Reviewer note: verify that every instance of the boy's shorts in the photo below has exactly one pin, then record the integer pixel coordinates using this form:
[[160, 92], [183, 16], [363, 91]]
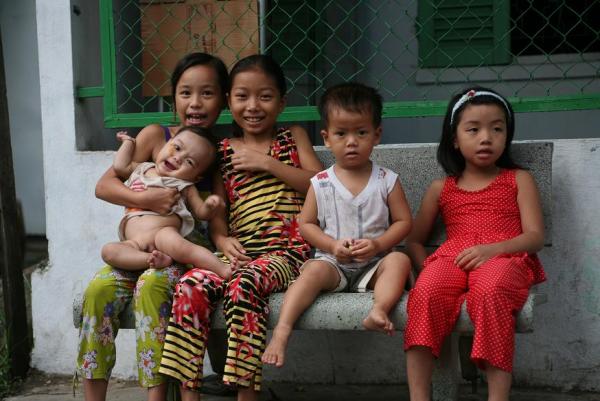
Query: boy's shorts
[[351, 280]]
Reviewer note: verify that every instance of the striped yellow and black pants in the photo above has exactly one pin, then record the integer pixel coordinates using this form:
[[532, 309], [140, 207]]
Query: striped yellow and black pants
[[246, 307]]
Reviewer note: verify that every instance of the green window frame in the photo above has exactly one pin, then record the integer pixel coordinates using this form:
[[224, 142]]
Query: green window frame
[[113, 118]]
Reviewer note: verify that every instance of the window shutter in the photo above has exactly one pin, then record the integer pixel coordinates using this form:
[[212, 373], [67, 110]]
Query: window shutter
[[454, 33]]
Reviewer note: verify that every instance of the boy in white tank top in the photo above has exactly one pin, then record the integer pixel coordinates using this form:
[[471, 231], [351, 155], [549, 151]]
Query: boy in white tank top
[[354, 214]]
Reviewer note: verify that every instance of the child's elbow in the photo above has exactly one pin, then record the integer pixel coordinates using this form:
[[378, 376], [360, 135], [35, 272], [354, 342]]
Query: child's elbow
[[100, 190], [540, 240]]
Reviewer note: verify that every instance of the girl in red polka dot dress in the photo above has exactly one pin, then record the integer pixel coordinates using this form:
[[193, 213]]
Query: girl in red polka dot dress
[[493, 218]]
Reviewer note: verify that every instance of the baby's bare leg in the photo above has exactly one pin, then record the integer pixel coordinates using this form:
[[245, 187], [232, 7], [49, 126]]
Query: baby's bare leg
[[169, 241], [126, 255], [316, 276], [388, 283]]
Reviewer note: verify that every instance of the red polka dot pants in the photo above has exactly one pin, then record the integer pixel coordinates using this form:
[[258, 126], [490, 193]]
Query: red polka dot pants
[[494, 292]]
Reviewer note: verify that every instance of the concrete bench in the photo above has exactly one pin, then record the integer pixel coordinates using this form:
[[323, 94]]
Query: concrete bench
[[417, 167]]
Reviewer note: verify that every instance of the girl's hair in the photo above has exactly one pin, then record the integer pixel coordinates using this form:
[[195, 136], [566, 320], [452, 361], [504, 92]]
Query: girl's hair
[[265, 64], [450, 158], [194, 59], [353, 97]]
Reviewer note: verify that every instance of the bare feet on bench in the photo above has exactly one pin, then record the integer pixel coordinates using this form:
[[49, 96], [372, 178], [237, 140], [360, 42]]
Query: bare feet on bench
[[378, 320], [275, 352], [158, 260]]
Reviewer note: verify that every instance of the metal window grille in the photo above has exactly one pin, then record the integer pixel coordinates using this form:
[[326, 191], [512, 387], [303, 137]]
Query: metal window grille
[[543, 54]]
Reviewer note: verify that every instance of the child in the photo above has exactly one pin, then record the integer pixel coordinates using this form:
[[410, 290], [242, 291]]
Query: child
[[152, 240], [493, 219], [354, 214], [264, 173], [199, 85]]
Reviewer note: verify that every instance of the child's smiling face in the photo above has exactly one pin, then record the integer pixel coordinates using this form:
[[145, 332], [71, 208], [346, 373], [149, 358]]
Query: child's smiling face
[[186, 156], [351, 137], [198, 99], [255, 102]]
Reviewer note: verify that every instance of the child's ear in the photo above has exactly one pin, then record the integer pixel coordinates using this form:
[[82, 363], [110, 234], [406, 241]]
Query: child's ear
[[282, 103], [378, 132], [325, 136]]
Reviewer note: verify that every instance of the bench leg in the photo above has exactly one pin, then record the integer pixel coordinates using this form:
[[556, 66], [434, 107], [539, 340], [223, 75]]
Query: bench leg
[[217, 350], [445, 373], [173, 393]]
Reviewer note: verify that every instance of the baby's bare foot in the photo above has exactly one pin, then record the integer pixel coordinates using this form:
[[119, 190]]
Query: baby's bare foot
[[158, 260], [275, 352], [378, 320], [224, 271]]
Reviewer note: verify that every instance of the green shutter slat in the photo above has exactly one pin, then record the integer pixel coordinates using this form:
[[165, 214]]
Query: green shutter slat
[[463, 33]]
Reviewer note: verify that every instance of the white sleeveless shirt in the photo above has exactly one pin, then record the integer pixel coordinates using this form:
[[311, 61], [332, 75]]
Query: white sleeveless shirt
[[343, 215]]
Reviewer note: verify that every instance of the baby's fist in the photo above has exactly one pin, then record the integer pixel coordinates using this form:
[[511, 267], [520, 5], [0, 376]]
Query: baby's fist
[[214, 202]]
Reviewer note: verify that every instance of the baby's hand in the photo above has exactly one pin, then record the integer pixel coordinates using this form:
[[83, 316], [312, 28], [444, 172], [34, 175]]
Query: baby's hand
[[122, 137], [342, 250], [212, 204], [472, 258], [364, 249]]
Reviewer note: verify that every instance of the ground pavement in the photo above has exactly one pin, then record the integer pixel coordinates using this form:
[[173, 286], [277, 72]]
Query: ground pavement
[[41, 387]]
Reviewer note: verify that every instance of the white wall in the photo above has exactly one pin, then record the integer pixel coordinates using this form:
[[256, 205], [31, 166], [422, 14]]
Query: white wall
[[563, 351], [19, 42]]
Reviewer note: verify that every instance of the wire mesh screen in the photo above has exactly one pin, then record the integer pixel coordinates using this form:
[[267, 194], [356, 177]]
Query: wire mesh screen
[[412, 51]]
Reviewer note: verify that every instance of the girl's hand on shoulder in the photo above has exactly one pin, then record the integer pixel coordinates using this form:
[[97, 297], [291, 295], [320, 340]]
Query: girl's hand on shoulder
[[472, 258], [234, 251], [364, 249], [342, 250], [250, 160], [160, 200]]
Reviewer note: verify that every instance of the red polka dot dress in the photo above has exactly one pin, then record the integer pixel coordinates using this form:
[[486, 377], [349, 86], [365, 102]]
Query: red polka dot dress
[[494, 292]]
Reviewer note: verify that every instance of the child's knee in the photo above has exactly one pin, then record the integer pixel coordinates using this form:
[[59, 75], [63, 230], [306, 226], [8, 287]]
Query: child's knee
[[316, 270], [397, 262]]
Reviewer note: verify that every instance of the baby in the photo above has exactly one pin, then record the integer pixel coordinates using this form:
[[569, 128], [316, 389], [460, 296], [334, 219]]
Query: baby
[[152, 240]]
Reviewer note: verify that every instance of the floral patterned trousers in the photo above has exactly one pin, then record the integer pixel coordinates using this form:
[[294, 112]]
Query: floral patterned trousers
[[106, 296], [246, 308]]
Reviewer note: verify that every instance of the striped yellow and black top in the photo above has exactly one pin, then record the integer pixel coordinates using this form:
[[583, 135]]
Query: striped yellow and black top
[[263, 209]]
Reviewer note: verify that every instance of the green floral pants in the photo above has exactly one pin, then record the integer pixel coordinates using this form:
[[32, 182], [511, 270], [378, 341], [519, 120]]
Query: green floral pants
[[106, 296]]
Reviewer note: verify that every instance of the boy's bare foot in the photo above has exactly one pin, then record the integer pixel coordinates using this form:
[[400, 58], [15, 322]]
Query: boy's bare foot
[[275, 352], [378, 320], [158, 260]]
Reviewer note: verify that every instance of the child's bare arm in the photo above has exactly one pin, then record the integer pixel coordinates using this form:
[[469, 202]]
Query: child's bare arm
[[123, 162], [423, 223], [219, 230], [312, 232], [203, 209], [532, 224], [401, 222]]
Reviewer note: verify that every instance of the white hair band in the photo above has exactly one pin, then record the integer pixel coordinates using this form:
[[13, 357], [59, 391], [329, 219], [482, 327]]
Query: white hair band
[[473, 93]]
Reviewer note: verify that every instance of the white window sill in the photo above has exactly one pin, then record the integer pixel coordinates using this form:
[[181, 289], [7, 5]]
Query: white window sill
[[525, 68]]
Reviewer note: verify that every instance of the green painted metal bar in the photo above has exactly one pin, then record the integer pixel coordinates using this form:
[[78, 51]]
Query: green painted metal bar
[[390, 110], [107, 48], [90, 91]]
